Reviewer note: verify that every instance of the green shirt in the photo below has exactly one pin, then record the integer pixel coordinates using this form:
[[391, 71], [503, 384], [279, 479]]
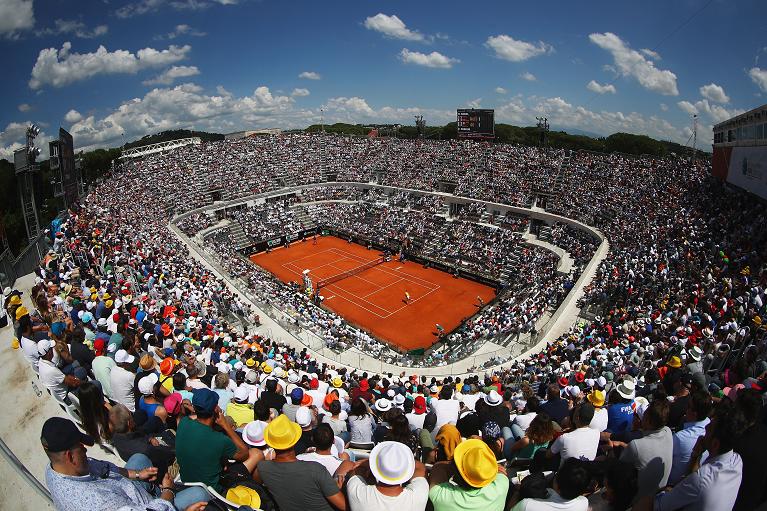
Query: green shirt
[[451, 497], [200, 452]]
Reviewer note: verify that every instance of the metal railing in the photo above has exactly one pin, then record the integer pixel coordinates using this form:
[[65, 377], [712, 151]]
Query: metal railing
[[11, 268]]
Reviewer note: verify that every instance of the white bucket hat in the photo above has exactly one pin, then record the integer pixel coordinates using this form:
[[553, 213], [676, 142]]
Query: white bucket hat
[[626, 389], [253, 433], [383, 405], [392, 463], [493, 398]]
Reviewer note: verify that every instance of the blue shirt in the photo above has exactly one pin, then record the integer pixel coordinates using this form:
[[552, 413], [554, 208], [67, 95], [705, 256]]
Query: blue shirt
[[620, 418], [102, 489], [714, 487], [684, 441]]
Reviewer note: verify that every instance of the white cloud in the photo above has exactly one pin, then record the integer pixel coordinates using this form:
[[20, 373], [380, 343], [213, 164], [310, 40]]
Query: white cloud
[[73, 116], [181, 30], [24, 107], [60, 68], [508, 48], [474, 103], [76, 28], [632, 63], [500, 90], [13, 137], [530, 77], [147, 6], [652, 54], [664, 107], [172, 74], [310, 75], [594, 86], [185, 106], [688, 107], [392, 26], [15, 16], [714, 92], [433, 59], [759, 77], [717, 113], [300, 92], [356, 110]]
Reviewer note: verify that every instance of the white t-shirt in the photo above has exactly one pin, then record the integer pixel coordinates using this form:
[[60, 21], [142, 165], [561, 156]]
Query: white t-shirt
[[121, 382], [330, 462], [53, 379], [581, 443], [415, 420], [447, 412], [553, 501], [470, 400], [599, 422], [30, 352], [523, 420], [365, 497]]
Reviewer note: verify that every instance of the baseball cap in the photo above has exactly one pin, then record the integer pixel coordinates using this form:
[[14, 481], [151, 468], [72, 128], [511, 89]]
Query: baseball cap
[[60, 434], [296, 395], [146, 384], [123, 357], [241, 394], [44, 346], [303, 416], [204, 400]]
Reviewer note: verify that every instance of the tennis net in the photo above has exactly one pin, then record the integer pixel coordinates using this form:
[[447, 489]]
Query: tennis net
[[349, 273]]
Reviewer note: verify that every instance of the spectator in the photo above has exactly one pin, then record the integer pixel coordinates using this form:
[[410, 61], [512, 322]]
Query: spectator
[[752, 448], [51, 376], [537, 437], [324, 441], [597, 398], [652, 455], [446, 407], [121, 380], [239, 409], [555, 407], [580, 443], [200, 449], [417, 416], [570, 483], [698, 408], [711, 485], [128, 441], [479, 483], [361, 424], [296, 397], [400, 481], [306, 419], [80, 483], [296, 485], [102, 366], [94, 412]]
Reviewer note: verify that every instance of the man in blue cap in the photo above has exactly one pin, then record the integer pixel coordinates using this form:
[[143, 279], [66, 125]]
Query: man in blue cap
[[203, 442], [80, 483]]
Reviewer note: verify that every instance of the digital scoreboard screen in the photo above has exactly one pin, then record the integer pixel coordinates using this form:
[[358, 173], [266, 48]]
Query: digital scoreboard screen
[[475, 123]]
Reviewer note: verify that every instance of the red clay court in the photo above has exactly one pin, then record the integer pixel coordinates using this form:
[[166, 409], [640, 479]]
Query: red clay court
[[374, 299]]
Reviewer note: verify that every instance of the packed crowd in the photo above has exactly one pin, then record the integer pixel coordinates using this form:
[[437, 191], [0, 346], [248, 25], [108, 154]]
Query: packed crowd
[[188, 400], [656, 402]]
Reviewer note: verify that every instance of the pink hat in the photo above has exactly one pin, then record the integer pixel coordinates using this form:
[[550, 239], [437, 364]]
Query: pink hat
[[172, 403]]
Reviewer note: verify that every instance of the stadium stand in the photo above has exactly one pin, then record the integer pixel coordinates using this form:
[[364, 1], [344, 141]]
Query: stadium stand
[[654, 398]]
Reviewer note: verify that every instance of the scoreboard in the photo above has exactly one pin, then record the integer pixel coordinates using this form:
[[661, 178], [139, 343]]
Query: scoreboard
[[476, 123]]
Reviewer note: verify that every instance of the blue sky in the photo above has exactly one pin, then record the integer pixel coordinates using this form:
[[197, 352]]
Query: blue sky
[[102, 69]]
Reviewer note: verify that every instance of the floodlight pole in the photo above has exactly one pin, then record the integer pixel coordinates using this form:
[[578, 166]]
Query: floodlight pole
[[24, 163]]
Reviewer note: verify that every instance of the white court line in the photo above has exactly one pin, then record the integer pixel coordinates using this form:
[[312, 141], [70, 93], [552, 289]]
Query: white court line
[[337, 290], [412, 278], [357, 277], [311, 255], [320, 266], [413, 301], [388, 285]]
